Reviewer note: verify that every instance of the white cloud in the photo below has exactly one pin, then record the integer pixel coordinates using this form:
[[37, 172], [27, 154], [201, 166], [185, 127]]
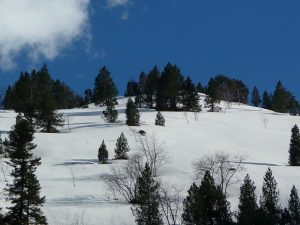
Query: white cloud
[[116, 3], [40, 28]]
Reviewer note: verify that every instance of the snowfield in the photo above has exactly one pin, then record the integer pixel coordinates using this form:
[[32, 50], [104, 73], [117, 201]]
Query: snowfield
[[72, 179]]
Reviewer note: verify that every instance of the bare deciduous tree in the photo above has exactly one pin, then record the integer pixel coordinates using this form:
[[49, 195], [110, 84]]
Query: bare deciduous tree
[[123, 179], [76, 219], [171, 203], [152, 150], [222, 166]]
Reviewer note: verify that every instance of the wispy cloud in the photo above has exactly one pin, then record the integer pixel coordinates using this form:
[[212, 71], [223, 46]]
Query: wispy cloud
[[117, 3], [40, 29]]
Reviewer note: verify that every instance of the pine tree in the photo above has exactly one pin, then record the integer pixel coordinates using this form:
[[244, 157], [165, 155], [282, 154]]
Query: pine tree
[[211, 100], [160, 120], [190, 98], [269, 200], [280, 99], [255, 100], [122, 147], [110, 114], [200, 88], [152, 86], [294, 207], [206, 204], [266, 102], [47, 118], [102, 153], [105, 88], [88, 95], [147, 210], [247, 203], [132, 114], [285, 217], [294, 151], [24, 191]]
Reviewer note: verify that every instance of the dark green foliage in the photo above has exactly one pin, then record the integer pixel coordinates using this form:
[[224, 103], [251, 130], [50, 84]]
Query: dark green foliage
[[46, 116], [269, 200], [266, 102], [294, 151], [169, 88], [190, 96], [212, 99], [247, 214], [228, 89], [147, 209], [285, 218], [255, 100], [152, 86], [160, 120], [132, 114], [293, 105], [102, 153], [105, 88], [132, 89], [88, 96], [294, 207], [24, 191], [26, 95], [280, 99], [206, 204], [122, 147], [110, 114], [200, 88]]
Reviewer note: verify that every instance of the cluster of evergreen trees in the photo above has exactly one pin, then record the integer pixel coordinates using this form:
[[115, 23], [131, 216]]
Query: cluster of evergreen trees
[[121, 150], [166, 90], [281, 100], [37, 96], [206, 204]]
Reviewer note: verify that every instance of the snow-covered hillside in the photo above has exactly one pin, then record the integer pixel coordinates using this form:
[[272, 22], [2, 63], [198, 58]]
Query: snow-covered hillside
[[260, 134]]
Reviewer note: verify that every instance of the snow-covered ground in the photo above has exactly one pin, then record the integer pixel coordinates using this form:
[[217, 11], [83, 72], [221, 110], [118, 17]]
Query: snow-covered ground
[[260, 134]]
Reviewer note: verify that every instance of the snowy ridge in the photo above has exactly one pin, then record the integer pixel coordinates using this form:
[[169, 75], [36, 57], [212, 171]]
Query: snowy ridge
[[260, 134]]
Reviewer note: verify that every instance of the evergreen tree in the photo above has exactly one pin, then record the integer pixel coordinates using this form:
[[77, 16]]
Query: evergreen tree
[[206, 204], [190, 98], [147, 210], [160, 120], [293, 105], [294, 207], [24, 191], [88, 95], [105, 88], [285, 217], [132, 114], [255, 100], [152, 86], [121, 147], [294, 151], [211, 100], [269, 200], [132, 89], [247, 203], [266, 102], [47, 118], [110, 114], [200, 88], [102, 153], [169, 88], [280, 99]]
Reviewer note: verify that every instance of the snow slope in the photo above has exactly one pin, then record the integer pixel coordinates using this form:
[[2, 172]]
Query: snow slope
[[260, 134]]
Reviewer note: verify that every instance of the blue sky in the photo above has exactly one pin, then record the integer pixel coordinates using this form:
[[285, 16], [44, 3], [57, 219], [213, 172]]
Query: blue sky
[[255, 41]]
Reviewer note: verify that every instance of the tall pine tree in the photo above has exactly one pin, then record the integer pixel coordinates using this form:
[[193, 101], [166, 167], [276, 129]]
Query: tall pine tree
[[24, 191], [294, 207], [132, 114], [266, 102], [294, 151], [269, 201], [147, 210], [104, 87], [110, 114], [190, 97], [255, 100], [247, 203]]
